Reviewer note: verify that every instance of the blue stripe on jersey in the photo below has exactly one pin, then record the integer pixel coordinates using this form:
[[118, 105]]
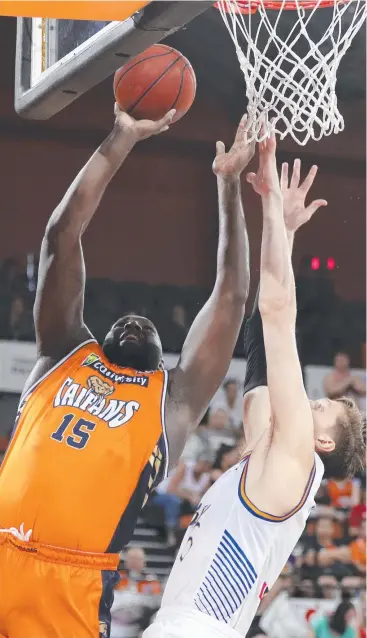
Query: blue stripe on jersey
[[227, 581]]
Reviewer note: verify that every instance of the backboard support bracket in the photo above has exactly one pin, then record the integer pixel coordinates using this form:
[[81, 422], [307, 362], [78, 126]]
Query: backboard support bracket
[[74, 74]]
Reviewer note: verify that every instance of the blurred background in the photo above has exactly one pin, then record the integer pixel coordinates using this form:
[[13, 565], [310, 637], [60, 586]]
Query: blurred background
[[151, 249]]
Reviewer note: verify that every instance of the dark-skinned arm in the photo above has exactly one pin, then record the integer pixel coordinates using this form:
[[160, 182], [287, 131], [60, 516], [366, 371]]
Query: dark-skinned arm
[[209, 346], [58, 310]]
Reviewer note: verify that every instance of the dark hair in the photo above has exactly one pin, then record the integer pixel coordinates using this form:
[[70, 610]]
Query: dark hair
[[349, 456], [229, 381], [337, 621]]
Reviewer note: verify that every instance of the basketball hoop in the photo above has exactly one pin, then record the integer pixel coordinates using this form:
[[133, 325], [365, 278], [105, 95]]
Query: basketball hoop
[[290, 75]]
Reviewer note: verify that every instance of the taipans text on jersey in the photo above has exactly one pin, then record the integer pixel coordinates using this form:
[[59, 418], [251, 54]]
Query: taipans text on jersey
[[93, 399]]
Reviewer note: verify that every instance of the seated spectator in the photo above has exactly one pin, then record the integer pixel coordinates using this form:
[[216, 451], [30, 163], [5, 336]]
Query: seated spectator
[[347, 560], [342, 382], [352, 585], [357, 549], [230, 400], [322, 553], [219, 430], [227, 456], [328, 586], [344, 493], [191, 480], [136, 596], [197, 444], [357, 514], [341, 624]]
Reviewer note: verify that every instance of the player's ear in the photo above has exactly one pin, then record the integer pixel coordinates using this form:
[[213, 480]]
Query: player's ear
[[161, 365], [324, 444]]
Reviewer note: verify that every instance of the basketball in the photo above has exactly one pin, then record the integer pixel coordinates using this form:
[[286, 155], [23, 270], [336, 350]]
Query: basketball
[[157, 80]]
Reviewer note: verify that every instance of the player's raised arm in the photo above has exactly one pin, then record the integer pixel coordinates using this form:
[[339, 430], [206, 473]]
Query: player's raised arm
[[293, 432], [209, 346], [58, 310]]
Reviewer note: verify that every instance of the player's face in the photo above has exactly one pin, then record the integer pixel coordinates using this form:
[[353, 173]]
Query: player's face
[[133, 342], [326, 414]]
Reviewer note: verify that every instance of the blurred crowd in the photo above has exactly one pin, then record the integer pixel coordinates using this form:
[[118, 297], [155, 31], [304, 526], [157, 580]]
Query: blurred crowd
[[329, 562], [326, 324]]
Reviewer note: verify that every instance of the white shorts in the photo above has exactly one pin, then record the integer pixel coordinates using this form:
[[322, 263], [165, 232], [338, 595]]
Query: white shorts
[[176, 622]]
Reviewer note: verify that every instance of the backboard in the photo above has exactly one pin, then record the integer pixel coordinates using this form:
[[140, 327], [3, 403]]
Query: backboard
[[58, 60]]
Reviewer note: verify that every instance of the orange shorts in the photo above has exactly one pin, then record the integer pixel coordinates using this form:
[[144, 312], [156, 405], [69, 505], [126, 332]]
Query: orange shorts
[[47, 592]]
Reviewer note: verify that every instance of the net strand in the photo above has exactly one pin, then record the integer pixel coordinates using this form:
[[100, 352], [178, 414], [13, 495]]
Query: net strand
[[298, 92]]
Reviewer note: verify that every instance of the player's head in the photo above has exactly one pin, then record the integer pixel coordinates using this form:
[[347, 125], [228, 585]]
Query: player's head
[[133, 342], [339, 436], [341, 362]]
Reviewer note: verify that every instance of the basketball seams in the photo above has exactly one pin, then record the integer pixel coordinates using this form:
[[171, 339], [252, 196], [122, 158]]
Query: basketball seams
[[156, 84], [180, 86], [150, 57], [151, 86]]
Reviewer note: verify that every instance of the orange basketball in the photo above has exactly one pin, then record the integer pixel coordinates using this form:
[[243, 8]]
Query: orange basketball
[[157, 80]]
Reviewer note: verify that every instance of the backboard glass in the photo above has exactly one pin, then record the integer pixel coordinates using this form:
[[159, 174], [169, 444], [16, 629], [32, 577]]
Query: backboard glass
[[58, 60]]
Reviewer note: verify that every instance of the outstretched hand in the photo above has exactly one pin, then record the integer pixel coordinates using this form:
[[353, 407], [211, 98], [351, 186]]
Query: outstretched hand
[[266, 181], [232, 163], [296, 213], [142, 129]]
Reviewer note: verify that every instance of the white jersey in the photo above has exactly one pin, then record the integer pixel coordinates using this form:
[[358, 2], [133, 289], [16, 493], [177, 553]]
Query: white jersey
[[233, 553]]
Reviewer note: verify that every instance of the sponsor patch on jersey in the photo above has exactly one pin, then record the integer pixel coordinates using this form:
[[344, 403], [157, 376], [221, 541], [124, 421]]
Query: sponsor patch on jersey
[[94, 361]]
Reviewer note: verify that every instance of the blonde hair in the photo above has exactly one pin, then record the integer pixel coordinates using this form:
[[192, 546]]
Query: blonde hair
[[349, 456]]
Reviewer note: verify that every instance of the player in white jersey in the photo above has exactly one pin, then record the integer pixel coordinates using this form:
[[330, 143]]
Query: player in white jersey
[[249, 521]]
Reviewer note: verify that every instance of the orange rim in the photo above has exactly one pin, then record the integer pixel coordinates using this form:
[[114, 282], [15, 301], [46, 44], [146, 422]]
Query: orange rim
[[251, 6]]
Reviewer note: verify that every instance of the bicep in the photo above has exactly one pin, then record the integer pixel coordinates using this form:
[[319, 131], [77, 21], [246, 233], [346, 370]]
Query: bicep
[[206, 355], [290, 407], [58, 309]]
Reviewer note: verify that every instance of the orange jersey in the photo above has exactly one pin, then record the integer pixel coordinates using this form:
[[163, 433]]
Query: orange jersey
[[340, 492], [89, 446]]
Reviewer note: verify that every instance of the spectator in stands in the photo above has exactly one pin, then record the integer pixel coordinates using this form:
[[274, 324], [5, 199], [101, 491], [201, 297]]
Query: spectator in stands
[[231, 401], [341, 624], [344, 493], [176, 331], [191, 480], [357, 514], [342, 382], [357, 549], [314, 559], [353, 585], [227, 456], [328, 586], [219, 430], [136, 596]]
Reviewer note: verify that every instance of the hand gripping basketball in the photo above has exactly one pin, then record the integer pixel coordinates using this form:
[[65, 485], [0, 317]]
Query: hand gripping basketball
[[232, 164], [142, 129]]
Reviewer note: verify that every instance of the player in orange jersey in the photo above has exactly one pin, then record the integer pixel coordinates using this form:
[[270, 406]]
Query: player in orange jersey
[[98, 427]]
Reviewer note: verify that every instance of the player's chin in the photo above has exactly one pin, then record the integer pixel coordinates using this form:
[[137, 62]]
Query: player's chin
[[131, 354]]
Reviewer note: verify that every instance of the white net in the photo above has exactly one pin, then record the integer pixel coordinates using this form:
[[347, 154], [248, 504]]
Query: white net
[[290, 67]]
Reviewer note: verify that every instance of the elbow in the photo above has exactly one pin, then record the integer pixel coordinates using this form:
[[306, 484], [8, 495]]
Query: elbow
[[277, 301], [232, 293]]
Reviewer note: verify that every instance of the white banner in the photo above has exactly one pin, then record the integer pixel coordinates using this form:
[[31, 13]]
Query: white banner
[[315, 376], [17, 359]]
